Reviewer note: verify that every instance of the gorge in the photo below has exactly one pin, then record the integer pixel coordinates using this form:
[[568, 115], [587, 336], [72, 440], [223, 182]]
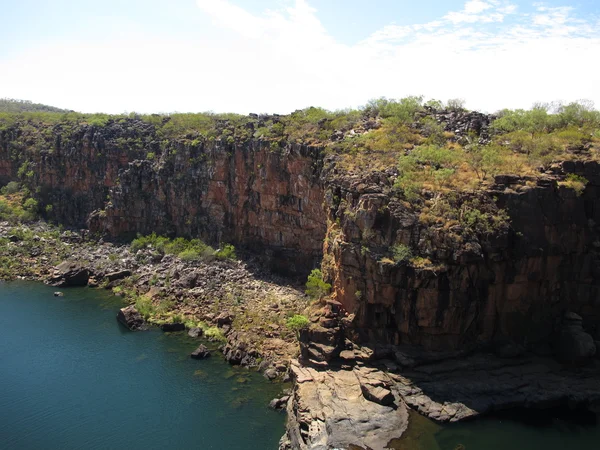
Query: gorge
[[457, 290]]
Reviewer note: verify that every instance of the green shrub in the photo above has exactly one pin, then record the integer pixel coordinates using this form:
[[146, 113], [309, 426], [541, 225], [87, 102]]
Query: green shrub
[[575, 182], [401, 253], [11, 188], [297, 322], [316, 288], [189, 255], [215, 334], [227, 252], [145, 307], [177, 318], [30, 205]]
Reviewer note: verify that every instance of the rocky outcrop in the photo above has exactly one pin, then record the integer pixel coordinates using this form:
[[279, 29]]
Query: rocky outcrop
[[455, 389], [172, 327], [357, 408], [264, 196], [200, 353], [513, 284], [131, 318], [573, 345], [69, 273]]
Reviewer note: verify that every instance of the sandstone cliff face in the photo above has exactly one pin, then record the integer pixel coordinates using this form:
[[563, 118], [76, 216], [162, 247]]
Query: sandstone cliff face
[[266, 200], [291, 204], [121, 179], [514, 285]]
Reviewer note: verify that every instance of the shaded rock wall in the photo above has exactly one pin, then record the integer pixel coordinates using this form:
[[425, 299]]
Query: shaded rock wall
[[285, 202], [514, 286], [122, 179], [269, 201]]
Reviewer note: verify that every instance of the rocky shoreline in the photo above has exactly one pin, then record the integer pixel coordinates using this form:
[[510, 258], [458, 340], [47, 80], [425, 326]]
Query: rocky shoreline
[[246, 304], [344, 395]]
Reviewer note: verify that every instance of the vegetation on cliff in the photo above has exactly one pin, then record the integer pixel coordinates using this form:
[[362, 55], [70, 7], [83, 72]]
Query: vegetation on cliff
[[11, 105]]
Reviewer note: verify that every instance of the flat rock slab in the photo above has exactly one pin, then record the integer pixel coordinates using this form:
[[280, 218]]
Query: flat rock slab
[[329, 409], [453, 390]]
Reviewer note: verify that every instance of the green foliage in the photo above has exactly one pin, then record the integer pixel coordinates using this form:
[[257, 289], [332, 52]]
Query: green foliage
[[297, 322], [401, 253], [145, 307], [404, 110], [456, 104], [15, 208], [215, 334], [31, 205], [316, 288], [189, 255], [176, 318], [482, 219], [99, 120], [575, 182], [484, 160], [19, 106], [188, 250], [150, 156], [24, 171], [226, 252], [11, 188], [149, 241]]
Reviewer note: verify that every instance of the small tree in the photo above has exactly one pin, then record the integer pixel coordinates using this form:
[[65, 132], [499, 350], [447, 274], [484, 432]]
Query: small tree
[[316, 288], [297, 322]]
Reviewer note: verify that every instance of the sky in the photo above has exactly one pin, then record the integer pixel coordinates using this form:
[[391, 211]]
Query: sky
[[276, 56]]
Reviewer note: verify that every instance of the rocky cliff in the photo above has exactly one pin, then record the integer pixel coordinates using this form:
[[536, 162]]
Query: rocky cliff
[[513, 284], [121, 179], [502, 263]]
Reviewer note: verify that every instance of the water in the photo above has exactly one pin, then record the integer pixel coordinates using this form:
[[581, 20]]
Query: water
[[71, 377], [517, 433]]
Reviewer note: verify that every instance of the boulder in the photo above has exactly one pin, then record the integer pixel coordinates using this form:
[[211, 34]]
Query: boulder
[[195, 332], [279, 403], [118, 275], [69, 273], [131, 318], [200, 353], [378, 394], [169, 327], [270, 373], [58, 294], [224, 319], [572, 345]]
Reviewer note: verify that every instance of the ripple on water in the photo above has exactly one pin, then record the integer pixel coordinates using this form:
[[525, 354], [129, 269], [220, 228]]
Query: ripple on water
[[71, 377]]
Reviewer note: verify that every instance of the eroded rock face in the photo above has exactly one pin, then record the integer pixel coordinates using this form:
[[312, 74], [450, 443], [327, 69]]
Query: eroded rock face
[[248, 193], [269, 202], [131, 318], [514, 285], [330, 410]]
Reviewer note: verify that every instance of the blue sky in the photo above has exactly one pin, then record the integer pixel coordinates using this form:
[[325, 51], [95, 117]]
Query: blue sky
[[281, 55]]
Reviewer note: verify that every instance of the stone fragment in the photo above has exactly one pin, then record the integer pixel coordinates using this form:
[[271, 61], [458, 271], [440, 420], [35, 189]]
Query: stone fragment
[[200, 353], [131, 318]]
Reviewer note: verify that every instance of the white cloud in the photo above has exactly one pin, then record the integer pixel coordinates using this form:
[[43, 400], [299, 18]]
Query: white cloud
[[487, 53], [476, 6]]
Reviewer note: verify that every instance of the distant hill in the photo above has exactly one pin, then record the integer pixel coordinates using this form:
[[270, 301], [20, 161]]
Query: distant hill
[[18, 106]]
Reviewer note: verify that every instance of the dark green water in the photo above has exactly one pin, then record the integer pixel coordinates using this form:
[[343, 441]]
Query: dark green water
[[71, 377], [549, 433]]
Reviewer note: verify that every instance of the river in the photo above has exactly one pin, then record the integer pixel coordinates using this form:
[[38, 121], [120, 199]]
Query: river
[[72, 377]]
